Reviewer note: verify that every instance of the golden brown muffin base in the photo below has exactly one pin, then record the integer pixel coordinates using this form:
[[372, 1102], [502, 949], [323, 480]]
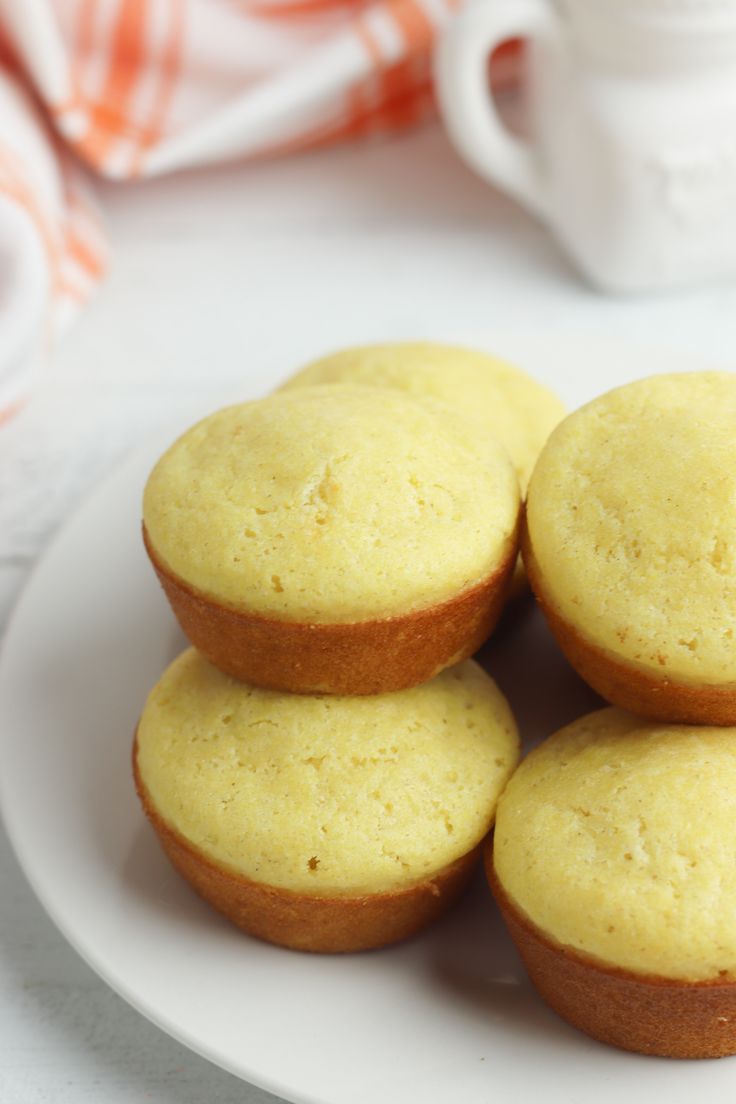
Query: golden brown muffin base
[[305, 922], [657, 698], [646, 1014], [364, 657]]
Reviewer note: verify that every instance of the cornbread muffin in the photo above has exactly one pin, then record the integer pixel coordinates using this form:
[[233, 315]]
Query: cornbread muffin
[[630, 545], [336, 539], [323, 823], [614, 863], [496, 396], [504, 401]]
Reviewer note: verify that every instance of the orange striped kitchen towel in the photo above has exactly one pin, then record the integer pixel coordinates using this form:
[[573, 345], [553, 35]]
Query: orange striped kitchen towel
[[141, 87]]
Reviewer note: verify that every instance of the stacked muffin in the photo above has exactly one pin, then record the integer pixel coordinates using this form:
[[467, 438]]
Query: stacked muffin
[[614, 860], [325, 765], [326, 762]]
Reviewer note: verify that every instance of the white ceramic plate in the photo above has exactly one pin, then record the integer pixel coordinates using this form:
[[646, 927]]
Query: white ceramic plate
[[448, 1015]]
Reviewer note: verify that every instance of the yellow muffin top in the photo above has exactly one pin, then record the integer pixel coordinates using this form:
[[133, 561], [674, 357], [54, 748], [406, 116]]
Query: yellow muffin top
[[616, 837], [332, 504], [518, 411], [632, 522], [327, 794]]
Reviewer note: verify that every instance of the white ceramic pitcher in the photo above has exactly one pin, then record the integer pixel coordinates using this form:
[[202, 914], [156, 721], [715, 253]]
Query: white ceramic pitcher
[[632, 111]]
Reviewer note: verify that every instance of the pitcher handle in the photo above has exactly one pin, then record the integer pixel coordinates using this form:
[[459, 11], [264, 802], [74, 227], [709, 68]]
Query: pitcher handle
[[466, 104]]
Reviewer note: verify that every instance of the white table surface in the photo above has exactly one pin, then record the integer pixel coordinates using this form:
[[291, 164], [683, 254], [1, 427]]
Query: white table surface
[[219, 278]]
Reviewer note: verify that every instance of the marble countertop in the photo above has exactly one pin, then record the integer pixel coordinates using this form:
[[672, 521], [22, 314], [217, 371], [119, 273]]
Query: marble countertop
[[219, 279]]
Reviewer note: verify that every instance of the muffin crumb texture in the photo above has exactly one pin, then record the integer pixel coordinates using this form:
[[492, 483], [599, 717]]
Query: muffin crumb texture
[[632, 522], [327, 795], [332, 504], [615, 837], [496, 396]]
